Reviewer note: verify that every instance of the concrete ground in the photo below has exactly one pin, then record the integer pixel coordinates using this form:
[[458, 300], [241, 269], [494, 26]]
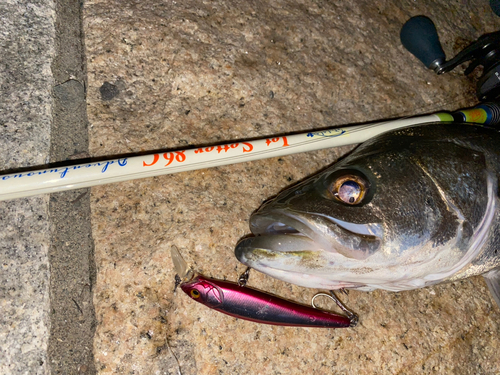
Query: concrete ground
[[87, 281]]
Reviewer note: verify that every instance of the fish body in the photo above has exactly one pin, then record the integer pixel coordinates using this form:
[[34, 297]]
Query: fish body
[[256, 306], [407, 209]]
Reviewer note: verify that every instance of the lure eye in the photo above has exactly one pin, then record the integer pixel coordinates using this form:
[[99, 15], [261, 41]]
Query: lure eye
[[195, 294], [349, 189]]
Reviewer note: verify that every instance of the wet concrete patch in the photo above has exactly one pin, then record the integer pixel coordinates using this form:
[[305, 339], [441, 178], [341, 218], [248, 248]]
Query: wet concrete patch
[[71, 253]]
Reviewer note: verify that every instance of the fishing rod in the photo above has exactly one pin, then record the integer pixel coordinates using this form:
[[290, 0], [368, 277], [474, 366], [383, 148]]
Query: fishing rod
[[85, 174]]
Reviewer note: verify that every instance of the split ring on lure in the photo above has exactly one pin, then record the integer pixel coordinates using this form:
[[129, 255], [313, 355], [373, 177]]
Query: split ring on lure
[[250, 304]]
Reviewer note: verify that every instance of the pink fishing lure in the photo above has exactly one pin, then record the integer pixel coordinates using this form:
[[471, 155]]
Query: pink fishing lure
[[251, 304], [256, 306]]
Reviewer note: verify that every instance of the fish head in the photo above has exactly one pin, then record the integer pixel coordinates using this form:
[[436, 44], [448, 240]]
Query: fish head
[[380, 218]]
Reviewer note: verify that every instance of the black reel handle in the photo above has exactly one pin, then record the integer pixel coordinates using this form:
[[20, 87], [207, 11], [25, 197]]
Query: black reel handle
[[420, 37]]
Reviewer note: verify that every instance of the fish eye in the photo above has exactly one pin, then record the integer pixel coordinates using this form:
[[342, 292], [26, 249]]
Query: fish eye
[[195, 294], [349, 189]]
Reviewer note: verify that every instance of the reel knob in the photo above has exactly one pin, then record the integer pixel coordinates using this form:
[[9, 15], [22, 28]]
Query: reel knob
[[419, 36]]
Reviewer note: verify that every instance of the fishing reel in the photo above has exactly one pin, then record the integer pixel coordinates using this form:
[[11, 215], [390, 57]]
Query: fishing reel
[[419, 36]]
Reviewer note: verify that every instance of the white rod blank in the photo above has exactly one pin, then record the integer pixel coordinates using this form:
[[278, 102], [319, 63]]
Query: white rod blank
[[28, 183]]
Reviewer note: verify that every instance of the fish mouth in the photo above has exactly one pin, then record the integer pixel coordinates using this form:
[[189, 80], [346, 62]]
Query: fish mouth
[[304, 248]]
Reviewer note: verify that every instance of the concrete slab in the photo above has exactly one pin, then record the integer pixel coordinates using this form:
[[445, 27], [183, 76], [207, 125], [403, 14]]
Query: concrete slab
[[27, 44], [173, 74], [46, 248]]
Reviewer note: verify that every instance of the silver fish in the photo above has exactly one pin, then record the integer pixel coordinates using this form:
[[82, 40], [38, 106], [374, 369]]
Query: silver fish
[[407, 209]]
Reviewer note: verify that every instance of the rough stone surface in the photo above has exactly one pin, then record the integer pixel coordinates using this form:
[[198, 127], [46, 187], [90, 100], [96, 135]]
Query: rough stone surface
[[193, 73], [27, 45]]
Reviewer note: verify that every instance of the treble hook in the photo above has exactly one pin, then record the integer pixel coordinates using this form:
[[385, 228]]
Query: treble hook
[[344, 291], [353, 317], [178, 281], [243, 279]]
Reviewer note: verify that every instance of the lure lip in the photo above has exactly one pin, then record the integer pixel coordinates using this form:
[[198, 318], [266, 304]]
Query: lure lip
[[182, 268]]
